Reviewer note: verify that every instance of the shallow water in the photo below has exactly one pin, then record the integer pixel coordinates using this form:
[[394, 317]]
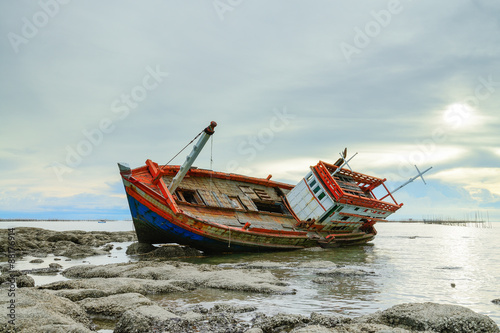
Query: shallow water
[[405, 263]]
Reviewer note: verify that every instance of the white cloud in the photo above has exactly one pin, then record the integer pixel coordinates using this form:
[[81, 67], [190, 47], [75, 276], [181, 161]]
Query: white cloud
[[474, 180]]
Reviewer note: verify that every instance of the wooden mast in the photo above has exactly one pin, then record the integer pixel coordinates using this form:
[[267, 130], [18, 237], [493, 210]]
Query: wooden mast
[[207, 132]]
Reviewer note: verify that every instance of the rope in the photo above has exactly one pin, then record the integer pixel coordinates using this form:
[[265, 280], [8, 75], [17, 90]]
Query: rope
[[211, 161], [184, 148], [211, 152]]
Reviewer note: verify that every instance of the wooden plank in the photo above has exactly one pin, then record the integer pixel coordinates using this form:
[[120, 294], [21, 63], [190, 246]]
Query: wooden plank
[[248, 203], [208, 198]]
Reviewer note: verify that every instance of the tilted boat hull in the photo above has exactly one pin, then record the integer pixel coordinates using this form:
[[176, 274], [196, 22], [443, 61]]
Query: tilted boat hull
[[155, 223], [222, 212]]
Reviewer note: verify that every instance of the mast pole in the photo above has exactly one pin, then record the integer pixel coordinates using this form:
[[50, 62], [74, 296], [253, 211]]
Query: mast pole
[[207, 132]]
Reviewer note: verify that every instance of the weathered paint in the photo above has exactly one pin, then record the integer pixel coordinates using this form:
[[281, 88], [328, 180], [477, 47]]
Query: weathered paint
[[159, 217]]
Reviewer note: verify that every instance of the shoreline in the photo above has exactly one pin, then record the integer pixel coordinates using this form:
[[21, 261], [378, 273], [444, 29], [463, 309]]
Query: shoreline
[[127, 295]]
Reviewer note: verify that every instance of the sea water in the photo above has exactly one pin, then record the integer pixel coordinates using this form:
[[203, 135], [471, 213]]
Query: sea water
[[407, 262]]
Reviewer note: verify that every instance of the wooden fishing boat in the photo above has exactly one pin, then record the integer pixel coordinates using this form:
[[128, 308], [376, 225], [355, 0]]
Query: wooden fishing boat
[[224, 212]]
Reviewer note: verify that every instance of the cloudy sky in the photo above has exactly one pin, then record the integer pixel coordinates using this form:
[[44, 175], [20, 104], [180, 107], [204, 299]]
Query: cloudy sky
[[86, 84]]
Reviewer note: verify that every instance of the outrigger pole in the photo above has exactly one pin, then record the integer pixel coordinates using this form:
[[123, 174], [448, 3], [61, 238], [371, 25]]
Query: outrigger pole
[[207, 132], [409, 181]]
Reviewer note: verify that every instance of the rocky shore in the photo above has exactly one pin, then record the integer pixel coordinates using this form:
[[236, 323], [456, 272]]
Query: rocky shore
[[39, 242], [127, 295]]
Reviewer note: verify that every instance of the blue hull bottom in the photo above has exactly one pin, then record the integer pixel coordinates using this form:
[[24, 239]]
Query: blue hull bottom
[[154, 229]]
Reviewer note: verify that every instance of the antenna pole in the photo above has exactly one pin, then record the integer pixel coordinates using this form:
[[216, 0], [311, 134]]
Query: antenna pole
[[409, 181]]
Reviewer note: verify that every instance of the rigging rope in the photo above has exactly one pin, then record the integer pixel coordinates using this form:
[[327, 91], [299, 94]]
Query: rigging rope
[[211, 161], [211, 152], [184, 147]]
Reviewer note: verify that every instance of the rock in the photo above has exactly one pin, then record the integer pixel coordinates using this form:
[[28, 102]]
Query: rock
[[79, 294], [433, 317], [108, 247], [24, 281], [355, 328], [39, 311], [254, 330], [21, 279], [174, 251], [165, 251], [42, 271], [280, 322], [139, 248], [192, 316], [496, 301], [39, 242], [114, 305], [232, 308], [328, 320], [99, 287], [187, 276], [57, 259], [36, 261], [312, 329], [145, 319], [55, 266]]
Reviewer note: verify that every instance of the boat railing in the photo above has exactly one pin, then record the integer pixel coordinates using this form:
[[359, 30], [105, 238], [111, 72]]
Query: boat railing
[[364, 182]]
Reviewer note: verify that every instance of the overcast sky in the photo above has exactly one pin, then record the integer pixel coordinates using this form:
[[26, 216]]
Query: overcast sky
[[86, 84]]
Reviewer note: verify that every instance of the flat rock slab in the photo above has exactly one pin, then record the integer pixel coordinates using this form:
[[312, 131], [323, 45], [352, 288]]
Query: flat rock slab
[[114, 305], [434, 317], [79, 289], [188, 276], [72, 244], [143, 318], [40, 311]]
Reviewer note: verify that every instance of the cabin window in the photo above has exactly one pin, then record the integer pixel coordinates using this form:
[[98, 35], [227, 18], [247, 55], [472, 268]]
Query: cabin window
[[189, 196], [309, 177], [316, 189], [357, 208], [345, 218], [321, 195], [270, 207], [312, 183]]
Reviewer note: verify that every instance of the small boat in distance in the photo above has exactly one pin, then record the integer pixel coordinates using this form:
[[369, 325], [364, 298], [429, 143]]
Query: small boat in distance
[[223, 212]]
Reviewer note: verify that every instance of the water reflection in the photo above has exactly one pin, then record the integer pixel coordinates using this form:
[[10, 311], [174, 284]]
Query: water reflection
[[325, 280]]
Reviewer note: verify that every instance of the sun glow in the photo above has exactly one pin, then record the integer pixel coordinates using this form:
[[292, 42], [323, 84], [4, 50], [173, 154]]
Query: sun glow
[[460, 115]]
